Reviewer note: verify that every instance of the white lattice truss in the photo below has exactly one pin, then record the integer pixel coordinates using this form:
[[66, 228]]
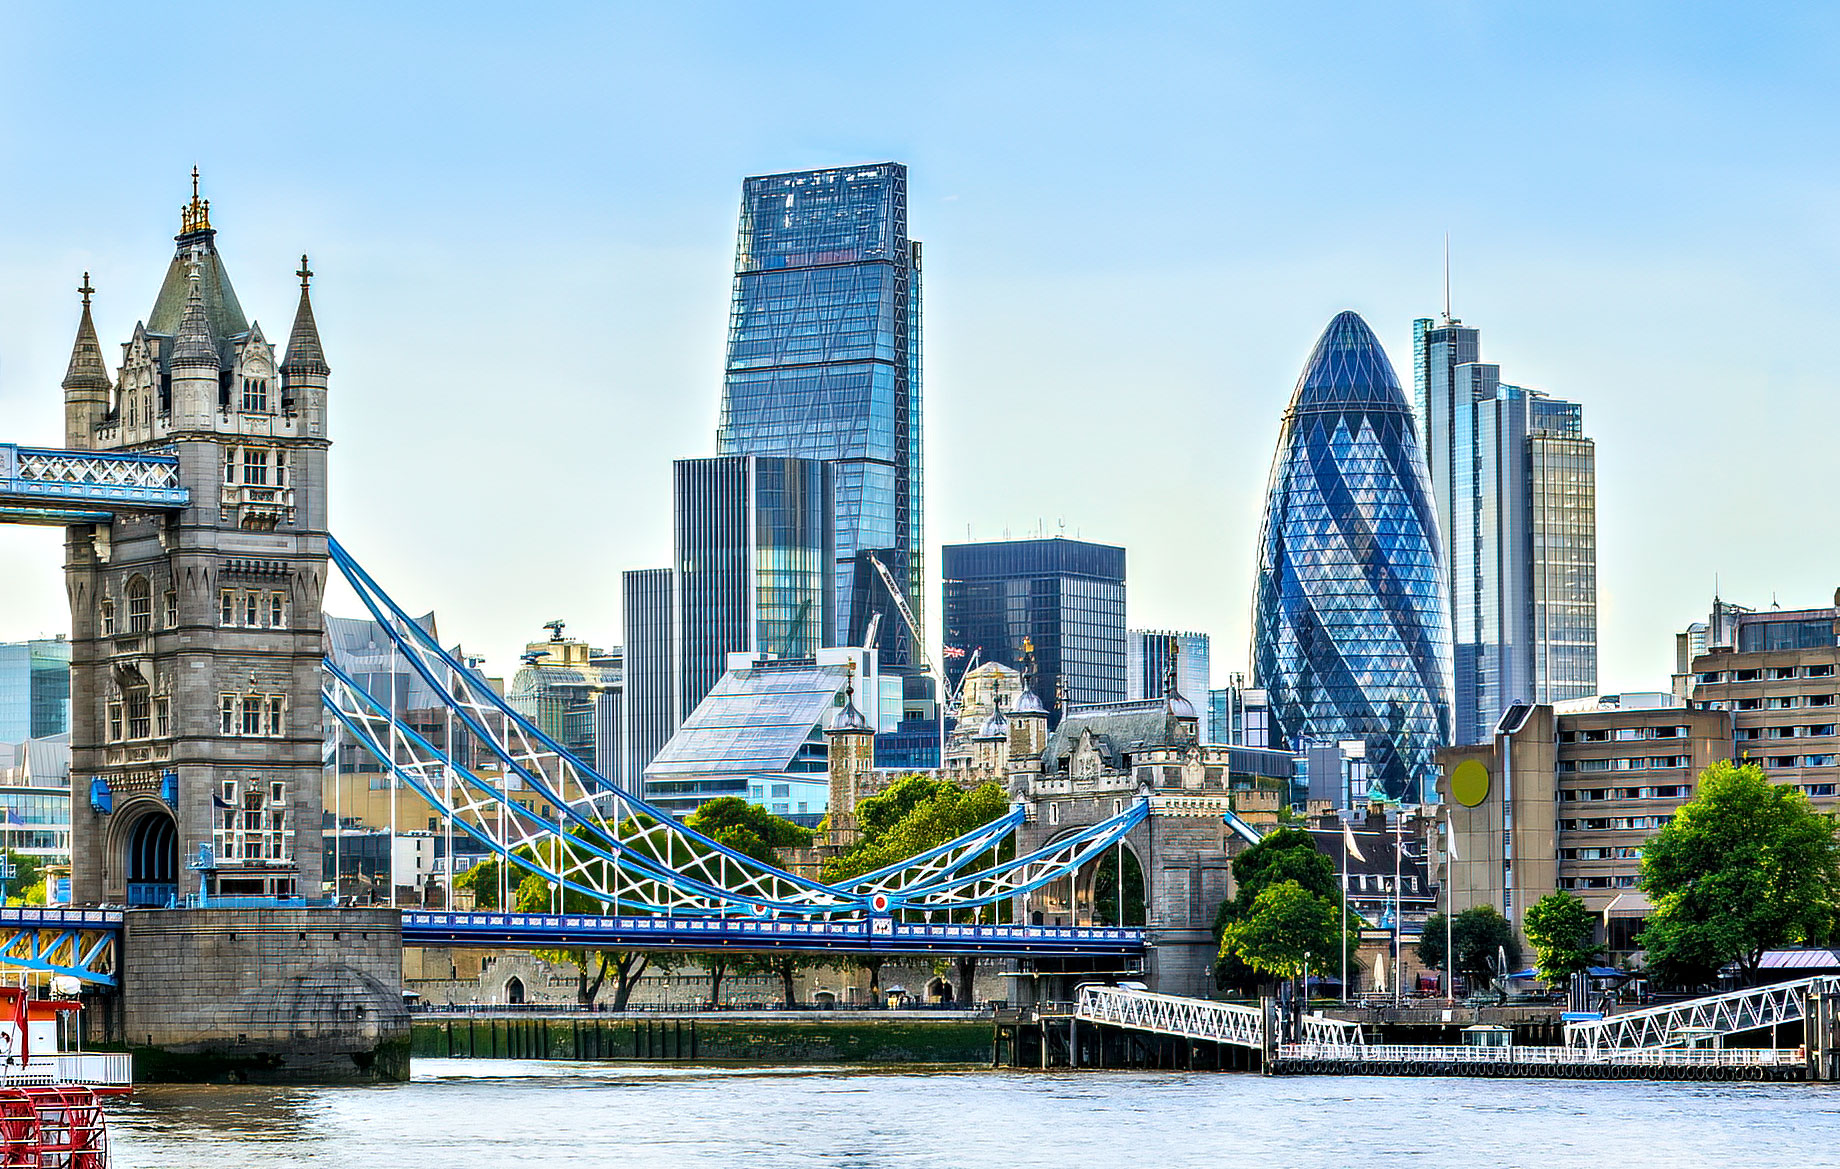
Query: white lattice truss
[[533, 802], [1243, 1026], [1677, 1024], [1540, 1056], [156, 473]]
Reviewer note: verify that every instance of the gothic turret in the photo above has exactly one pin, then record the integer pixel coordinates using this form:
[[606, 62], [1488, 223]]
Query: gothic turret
[[1028, 719], [304, 369], [851, 740], [194, 364], [86, 383]]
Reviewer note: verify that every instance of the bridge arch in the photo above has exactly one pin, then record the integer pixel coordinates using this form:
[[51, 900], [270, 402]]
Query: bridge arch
[[1090, 896], [146, 851], [514, 991]]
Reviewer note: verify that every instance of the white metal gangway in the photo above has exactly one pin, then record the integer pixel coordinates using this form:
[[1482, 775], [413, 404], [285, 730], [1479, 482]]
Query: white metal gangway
[[1676, 1024], [1165, 1014]]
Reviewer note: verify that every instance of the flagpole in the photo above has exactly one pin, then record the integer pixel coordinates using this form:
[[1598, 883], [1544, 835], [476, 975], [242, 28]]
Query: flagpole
[[1450, 906], [1344, 930]]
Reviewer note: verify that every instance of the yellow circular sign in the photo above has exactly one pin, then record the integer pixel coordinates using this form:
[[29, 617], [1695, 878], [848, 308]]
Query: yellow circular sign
[[1469, 783]]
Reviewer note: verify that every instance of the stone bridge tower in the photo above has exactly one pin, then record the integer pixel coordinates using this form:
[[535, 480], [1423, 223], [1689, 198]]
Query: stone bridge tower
[[196, 635]]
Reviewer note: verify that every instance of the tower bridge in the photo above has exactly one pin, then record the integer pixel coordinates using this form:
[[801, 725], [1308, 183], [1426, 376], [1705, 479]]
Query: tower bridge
[[192, 487]]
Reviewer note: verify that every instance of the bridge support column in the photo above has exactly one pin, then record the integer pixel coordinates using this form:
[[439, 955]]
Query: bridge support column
[[266, 995]]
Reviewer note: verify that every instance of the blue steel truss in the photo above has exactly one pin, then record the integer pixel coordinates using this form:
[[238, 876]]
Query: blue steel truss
[[873, 935], [80, 943], [595, 839], [41, 486]]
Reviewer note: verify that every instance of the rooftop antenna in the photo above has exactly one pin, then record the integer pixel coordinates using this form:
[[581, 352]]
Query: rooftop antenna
[[1447, 278]]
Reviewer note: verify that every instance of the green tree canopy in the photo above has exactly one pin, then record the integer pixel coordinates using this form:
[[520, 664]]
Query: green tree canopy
[[747, 828], [27, 884], [916, 813], [1283, 855], [1743, 867], [1481, 935], [1286, 922], [1559, 927]]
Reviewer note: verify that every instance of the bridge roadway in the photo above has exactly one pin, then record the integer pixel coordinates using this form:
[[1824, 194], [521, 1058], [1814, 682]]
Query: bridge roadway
[[84, 943], [55, 487]]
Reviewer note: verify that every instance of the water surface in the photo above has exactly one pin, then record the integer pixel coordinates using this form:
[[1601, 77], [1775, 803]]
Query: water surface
[[457, 1114]]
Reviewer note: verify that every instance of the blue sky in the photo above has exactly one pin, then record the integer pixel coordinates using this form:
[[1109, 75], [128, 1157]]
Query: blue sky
[[1137, 219]]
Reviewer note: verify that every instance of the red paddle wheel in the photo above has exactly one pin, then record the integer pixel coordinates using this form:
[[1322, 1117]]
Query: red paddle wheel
[[52, 1128]]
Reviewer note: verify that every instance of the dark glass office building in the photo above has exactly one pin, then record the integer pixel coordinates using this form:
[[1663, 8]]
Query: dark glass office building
[[1351, 630], [824, 363], [753, 545], [647, 718], [1065, 596]]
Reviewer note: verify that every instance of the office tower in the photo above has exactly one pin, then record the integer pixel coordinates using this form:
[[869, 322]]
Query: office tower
[[1238, 713], [824, 363], [1514, 478], [1065, 597], [1351, 633], [34, 689], [647, 716], [752, 545], [1776, 672], [1147, 656]]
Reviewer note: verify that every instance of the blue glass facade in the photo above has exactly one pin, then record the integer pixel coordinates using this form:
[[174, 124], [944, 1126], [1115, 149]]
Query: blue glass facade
[[34, 689], [1065, 597], [824, 363], [1351, 634]]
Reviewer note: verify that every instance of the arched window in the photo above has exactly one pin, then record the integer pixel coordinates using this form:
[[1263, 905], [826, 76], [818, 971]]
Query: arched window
[[140, 605]]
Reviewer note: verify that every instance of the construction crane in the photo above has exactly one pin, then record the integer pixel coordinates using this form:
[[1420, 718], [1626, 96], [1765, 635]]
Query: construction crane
[[948, 694]]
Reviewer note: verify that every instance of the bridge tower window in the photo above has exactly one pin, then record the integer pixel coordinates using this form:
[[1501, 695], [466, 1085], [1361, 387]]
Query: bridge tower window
[[140, 713], [255, 467], [108, 617], [172, 609], [255, 395], [140, 604]]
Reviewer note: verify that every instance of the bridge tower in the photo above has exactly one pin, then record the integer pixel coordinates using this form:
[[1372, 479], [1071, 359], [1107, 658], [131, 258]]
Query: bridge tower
[[197, 635]]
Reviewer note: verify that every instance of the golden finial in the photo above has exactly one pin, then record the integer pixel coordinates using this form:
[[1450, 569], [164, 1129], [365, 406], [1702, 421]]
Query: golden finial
[[305, 273], [86, 290], [196, 215]]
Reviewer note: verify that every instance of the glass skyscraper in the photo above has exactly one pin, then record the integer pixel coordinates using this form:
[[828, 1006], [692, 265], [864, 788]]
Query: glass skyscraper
[[34, 689], [824, 363], [1065, 596], [1147, 660], [753, 543], [1351, 631], [1514, 478]]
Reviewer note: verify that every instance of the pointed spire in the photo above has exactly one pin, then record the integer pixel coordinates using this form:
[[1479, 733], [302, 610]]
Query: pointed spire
[[87, 370], [193, 346], [304, 355]]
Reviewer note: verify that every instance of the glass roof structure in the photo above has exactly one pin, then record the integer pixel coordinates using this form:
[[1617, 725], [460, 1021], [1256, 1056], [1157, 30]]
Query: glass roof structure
[[755, 720], [1351, 626]]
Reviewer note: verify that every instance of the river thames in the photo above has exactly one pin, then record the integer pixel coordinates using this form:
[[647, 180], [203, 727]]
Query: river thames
[[457, 1114]]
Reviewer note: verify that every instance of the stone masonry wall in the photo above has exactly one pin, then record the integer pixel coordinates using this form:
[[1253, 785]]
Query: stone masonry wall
[[265, 994]]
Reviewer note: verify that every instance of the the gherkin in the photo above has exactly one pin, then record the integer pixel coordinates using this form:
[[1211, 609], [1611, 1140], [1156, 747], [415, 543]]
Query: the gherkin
[[1351, 632]]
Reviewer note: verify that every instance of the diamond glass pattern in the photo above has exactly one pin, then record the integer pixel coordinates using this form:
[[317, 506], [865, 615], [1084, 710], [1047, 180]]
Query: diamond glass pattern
[[1351, 631]]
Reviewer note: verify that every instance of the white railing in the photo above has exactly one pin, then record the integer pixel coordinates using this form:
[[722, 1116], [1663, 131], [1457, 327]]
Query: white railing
[[1165, 1014], [1677, 1023], [1557, 1056], [94, 1069]]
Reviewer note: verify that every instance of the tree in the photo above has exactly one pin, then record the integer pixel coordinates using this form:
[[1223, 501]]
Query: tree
[[917, 813], [27, 884], [753, 831], [1286, 922], [1481, 936], [1284, 855], [1743, 867], [1559, 927]]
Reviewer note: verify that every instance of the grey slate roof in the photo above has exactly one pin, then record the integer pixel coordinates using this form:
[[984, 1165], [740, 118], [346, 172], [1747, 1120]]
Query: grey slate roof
[[222, 312], [86, 364], [1118, 728], [303, 352]]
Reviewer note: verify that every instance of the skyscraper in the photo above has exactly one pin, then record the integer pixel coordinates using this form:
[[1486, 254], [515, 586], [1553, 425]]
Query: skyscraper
[[647, 717], [1351, 633], [1066, 597], [34, 689], [1147, 656], [824, 363], [1515, 482], [753, 544]]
